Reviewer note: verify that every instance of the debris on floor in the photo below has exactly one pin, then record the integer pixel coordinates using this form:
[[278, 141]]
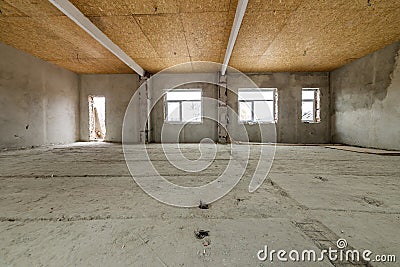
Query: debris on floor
[[321, 178], [204, 206], [200, 234], [238, 200], [372, 201], [207, 242], [204, 253]]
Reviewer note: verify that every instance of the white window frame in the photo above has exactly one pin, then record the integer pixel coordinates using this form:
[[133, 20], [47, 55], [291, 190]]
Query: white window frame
[[316, 105], [180, 105], [274, 104]]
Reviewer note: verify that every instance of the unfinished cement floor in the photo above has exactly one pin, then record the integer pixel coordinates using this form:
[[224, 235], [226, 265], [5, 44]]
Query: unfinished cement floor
[[78, 205]]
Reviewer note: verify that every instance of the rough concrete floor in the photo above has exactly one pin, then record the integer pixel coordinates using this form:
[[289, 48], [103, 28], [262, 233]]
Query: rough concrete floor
[[78, 205]]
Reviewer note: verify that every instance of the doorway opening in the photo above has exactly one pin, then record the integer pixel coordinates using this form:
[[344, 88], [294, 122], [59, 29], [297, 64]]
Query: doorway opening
[[97, 118]]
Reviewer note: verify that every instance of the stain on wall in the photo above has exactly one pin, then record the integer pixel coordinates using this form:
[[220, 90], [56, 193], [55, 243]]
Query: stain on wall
[[365, 100], [39, 101]]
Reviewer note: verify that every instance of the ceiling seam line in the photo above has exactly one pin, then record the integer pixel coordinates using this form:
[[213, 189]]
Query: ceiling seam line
[[222, 50], [147, 38], [280, 31], [16, 8], [184, 34]]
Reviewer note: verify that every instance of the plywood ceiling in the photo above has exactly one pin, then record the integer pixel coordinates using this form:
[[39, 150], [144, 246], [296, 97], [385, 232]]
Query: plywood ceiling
[[276, 35]]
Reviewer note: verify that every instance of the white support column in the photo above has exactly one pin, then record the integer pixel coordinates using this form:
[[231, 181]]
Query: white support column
[[148, 124], [82, 21], [222, 109], [144, 109], [240, 10]]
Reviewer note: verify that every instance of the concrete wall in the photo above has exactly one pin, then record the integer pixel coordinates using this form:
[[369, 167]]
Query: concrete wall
[[170, 132], [366, 100], [117, 90], [53, 104], [39, 102], [289, 129]]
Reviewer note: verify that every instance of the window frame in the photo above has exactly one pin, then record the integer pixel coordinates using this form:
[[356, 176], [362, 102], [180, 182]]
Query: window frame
[[274, 105], [316, 105], [180, 105]]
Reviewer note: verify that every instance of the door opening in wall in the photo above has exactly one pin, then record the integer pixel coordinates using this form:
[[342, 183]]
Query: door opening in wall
[[97, 118]]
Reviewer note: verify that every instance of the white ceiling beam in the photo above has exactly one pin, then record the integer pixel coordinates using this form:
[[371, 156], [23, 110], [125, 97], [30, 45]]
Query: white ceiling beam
[[240, 10], [82, 21]]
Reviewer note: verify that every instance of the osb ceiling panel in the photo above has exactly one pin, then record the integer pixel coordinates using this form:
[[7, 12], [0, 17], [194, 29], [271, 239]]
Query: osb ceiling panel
[[31, 8], [38, 28], [258, 31], [196, 6], [165, 33], [93, 65], [151, 65], [333, 36], [276, 35], [9, 10], [272, 5], [125, 7], [125, 31], [227, 31], [148, 7], [205, 33]]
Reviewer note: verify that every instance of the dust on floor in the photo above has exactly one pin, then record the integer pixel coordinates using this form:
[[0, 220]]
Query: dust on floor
[[78, 205]]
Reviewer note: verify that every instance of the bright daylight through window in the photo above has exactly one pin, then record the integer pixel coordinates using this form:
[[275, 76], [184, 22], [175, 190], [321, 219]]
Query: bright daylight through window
[[183, 105], [310, 107], [258, 105]]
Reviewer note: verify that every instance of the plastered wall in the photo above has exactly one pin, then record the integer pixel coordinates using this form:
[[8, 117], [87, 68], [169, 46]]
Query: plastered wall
[[117, 90], [39, 102], [170, 132], [43, 104], [366, 100], [289, 128]]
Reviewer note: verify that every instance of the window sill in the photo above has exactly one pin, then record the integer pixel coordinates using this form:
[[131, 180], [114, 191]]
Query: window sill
[[311, 122], [182, 122], [257, 122]]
